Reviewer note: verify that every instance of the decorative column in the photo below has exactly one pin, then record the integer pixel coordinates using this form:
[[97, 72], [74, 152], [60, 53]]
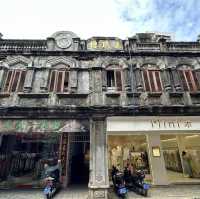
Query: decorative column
[[157, 164], [98, 181], [28, 83], [176, 79]]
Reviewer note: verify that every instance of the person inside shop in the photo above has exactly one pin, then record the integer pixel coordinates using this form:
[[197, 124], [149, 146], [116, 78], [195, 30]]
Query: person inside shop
[[186, 165]]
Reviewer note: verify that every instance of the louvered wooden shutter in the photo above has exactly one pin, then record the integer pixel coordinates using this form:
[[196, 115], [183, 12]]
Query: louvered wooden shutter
[[158, 81], [8, 81], [118, 80], [21, 81], [146, 80], [60, 81], [196, 76], [52, 81]]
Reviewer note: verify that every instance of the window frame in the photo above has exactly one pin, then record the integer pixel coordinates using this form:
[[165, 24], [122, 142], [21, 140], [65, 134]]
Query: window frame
[[118, 80], [55, 88], [15, 82], [152, 80]]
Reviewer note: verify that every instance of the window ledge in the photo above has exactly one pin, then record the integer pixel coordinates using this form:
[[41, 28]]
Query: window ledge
[[4, 95], [135, 94], [113, 94], [72, 95], [33, 95], [154, 94], [175, 94], [197, 93]]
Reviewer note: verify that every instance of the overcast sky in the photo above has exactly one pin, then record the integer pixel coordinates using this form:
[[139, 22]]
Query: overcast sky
[[37, 19]]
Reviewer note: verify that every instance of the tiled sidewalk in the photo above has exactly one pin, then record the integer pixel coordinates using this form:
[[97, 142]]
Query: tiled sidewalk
[[173, 192]]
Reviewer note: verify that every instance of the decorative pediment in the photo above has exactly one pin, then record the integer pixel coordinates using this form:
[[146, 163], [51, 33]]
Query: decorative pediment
[[114, 62], [18, 62], [60, 62]]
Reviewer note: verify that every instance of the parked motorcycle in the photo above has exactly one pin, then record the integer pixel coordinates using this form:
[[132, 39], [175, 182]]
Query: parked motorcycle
[[52, 182], [136, 182], [119, 184]]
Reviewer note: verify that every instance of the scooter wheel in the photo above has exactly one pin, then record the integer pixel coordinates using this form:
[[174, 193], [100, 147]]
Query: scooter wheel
[[145, 193]]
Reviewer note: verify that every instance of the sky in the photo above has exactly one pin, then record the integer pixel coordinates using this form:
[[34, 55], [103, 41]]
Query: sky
[[39, 19]]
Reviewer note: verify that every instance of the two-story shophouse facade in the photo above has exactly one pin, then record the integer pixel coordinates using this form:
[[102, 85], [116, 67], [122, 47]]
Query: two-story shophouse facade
[[99, 103]]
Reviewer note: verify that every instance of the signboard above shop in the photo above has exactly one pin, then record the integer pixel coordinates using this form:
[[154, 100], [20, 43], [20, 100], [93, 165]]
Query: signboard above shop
[[152, 124], [104, 43]]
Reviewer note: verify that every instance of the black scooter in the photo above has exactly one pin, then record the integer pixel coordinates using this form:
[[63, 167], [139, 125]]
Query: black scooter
[[136, 182], [119, 183]]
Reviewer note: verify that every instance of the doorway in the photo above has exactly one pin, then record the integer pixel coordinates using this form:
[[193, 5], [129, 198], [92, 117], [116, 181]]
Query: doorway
[[78, 163]]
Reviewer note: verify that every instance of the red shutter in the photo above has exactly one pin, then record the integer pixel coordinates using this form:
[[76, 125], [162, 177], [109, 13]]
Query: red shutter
[[146, 80], [15, 81], [196, 82], [8, 81], [52, 81], [158, 81], [118, 80], [21, 81], [60, 81], [189, 80], [152, 81]]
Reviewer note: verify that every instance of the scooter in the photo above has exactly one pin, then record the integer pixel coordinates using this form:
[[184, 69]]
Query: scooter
[[119, 184], [52, 184], [136, 183]]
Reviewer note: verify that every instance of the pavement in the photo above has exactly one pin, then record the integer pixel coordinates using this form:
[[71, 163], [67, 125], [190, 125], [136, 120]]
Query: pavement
[[171, 192]]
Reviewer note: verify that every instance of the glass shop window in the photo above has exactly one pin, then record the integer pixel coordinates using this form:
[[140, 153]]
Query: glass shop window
[[114, 79], [59, 81], [189, 80], [152, 80], [25, 158], [14, 81]]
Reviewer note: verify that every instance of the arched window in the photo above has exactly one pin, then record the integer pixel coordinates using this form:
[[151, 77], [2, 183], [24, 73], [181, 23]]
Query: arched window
[[59, 80], [114, 77], [14, 81], [189, 79], [152, 79]]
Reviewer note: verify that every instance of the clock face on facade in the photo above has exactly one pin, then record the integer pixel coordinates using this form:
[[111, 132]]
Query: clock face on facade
[[63, 41]]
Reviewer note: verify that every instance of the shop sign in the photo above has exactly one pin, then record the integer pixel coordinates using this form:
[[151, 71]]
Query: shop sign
[[162, 123], [171, 124], [30, 125], [104, 44]]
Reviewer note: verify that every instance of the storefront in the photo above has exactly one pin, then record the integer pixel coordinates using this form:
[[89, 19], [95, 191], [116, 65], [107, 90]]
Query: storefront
[[166, 148], [28, 147]]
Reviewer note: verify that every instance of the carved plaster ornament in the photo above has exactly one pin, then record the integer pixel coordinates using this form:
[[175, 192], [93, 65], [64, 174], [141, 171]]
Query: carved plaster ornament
[[64, 39]]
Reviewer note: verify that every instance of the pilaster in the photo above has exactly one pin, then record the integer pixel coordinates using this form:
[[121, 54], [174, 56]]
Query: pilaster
[[99, 181]]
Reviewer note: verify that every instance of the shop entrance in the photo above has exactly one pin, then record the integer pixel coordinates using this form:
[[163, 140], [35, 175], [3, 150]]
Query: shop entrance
[[23, 156], [128, 151], [182, 157], [78, 163]]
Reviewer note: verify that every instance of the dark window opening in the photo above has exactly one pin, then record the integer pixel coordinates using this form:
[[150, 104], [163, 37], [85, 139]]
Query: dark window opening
[[114, 79]]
